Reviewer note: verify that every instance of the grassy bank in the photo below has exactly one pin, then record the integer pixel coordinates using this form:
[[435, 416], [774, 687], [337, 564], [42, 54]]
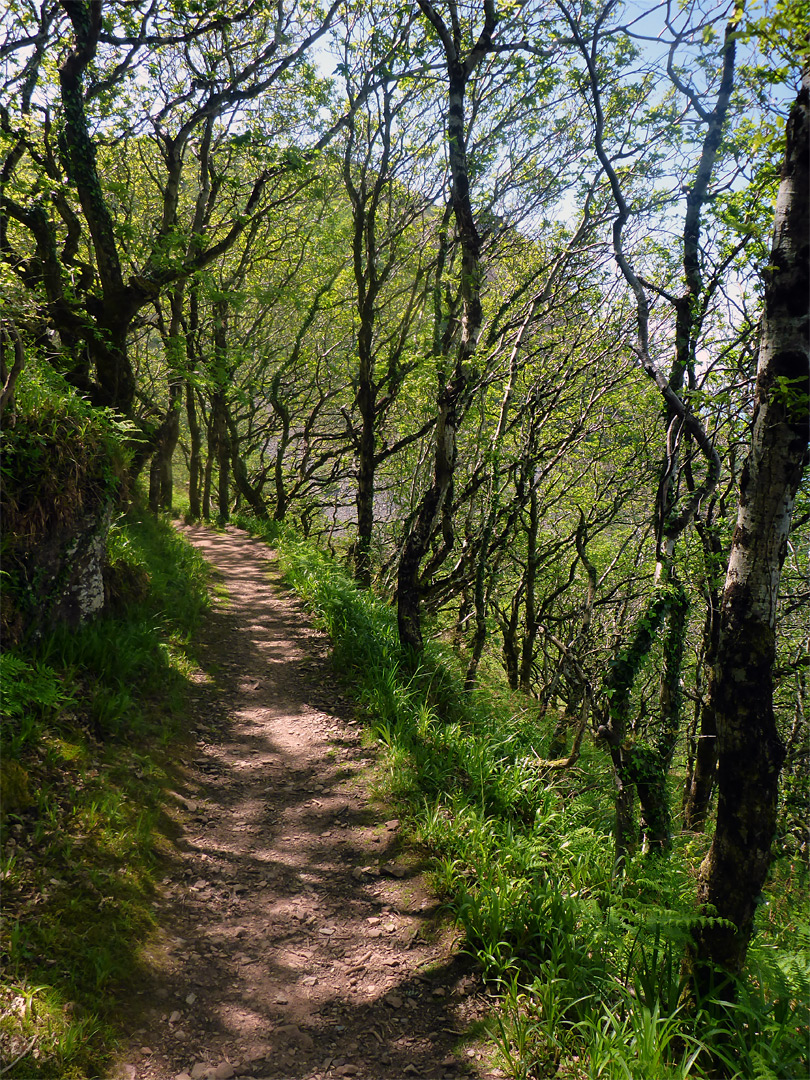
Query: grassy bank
[[88, 717], [588, 973]]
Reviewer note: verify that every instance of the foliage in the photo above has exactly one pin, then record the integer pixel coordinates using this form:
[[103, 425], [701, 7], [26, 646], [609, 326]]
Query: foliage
[[481, 311], [87, 717], [64, 467], [61, 457], [589, 968]]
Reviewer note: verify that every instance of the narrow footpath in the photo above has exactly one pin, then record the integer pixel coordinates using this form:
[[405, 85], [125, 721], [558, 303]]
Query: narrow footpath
[[296, 937]]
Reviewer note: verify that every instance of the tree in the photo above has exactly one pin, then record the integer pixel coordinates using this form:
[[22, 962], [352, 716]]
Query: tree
[[750, 752], [460, 60], [681, 491], [468, 38], [385, 143], [66, 246]]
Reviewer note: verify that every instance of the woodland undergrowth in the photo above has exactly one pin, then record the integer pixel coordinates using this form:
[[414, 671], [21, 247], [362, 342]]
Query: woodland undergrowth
[[587, 970]]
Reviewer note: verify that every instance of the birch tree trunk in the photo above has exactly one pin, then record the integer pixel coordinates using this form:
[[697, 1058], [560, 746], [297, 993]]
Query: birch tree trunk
[[749, 748]]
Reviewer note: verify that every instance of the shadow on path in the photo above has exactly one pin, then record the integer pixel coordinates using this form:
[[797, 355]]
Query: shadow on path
[[296, 939]]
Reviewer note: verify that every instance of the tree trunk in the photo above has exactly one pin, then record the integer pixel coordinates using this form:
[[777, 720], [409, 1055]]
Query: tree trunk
[[530, 602], [161, 479], [652, 765], [8, 377], [195, 466], [174, 343], [702, 770], [279, 407], [635, 764], [624, 831], [367, 284], [689, 311], [111, 316], [559, 736], [251, 494], [409, 586], [154, 484], [208, 477], [224, 487], [171, 438], [219, 437], [366, 467], [453, 394], [510, 650], [220, 447], [750, 752]]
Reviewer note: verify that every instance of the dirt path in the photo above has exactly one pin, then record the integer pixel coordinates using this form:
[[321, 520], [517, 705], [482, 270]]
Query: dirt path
[[296, 939]]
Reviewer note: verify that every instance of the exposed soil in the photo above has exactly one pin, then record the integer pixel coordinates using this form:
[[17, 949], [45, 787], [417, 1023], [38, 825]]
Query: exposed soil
[[297, 937]]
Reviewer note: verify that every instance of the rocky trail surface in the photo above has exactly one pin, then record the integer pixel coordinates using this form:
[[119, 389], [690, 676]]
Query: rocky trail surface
[[296, 936]]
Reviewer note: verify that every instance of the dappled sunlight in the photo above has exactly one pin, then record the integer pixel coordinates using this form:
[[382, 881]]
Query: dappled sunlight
[[296, 934]]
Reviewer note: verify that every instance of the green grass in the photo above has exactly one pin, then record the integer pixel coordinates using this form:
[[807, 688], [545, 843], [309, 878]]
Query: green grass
[[589, 974], [88, 717]]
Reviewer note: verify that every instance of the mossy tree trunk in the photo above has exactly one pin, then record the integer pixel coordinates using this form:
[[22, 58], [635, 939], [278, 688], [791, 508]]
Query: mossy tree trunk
[[220, 436], [635, 765], [223, 458], [161, 479], [208, 478], [657, 816], [750, 752], [510, 649], [112, 311]]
